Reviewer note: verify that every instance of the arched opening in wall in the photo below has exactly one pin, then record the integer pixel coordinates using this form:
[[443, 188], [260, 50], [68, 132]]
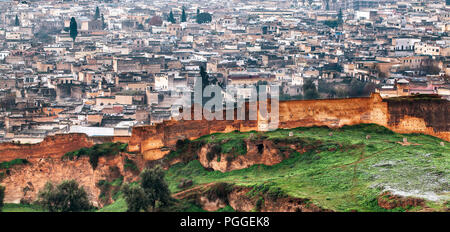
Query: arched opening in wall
[[260, 148]]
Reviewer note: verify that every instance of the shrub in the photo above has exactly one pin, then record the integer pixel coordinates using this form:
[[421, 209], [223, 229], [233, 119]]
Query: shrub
[[219, 191], [235, 147], [130, 165], [259, 204], [155, 186], [368, 128], [230, 158], [267, 190], [108, 189], [135, 198], [185, 183], [331, 23], [213, 152], [204, 18], [152, 194], [9, 164], [186, 150], [275, 193], [181, 145], [96, 151], [66, 197]]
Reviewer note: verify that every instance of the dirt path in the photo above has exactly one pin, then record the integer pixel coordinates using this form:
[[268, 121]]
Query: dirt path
[[182, 194], [363, 158]]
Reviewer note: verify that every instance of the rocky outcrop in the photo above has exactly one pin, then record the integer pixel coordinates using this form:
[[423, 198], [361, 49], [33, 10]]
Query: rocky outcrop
[[23, 182], [390, 201], [263, 151], [240, 200]]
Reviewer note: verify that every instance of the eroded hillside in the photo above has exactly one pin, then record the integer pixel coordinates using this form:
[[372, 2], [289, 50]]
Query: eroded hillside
[[352, 168], [364, 168]]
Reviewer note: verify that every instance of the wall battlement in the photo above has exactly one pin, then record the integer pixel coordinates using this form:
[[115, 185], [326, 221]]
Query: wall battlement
[[54, 146]]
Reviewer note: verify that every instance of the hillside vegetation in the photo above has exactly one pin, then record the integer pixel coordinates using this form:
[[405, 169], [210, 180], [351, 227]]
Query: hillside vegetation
[[354, 168], [349, 171]]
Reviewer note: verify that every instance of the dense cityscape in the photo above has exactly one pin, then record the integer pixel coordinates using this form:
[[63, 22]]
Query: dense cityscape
[[102, 67], [225, 106]]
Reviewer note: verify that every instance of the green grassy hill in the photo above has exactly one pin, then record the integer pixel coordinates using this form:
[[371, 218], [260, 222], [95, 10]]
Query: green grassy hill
[[347, 172]]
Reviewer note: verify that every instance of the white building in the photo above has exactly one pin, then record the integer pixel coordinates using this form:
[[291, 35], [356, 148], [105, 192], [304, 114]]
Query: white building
[[405, 44]]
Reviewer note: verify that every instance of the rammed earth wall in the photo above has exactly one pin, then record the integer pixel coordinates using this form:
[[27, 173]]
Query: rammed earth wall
[[403, 116]]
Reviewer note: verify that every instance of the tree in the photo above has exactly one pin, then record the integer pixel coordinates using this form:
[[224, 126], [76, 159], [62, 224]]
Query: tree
[[73, 29], [2, 196], [17, 22], [357, 88], [103, 22], [155, 187], [66, 197], [156, 21], [183, 15], [152, 193], [339, 16], [207, 80], [331, 23], [309, 90], [326, 88], [97, 13], [171, 18], [204, 18], [205, 77], [135, 198]]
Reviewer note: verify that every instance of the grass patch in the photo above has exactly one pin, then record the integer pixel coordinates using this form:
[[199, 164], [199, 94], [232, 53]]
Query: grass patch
[[96, 151], [130, 165], [8, 207], [10, 164], [118, 206], [344, 172]]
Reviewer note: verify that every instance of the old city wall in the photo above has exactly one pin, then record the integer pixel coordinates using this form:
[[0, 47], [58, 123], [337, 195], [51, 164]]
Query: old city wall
[[418, 116], [149, 140], [54, 146], [333, 112], [428, 117]]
